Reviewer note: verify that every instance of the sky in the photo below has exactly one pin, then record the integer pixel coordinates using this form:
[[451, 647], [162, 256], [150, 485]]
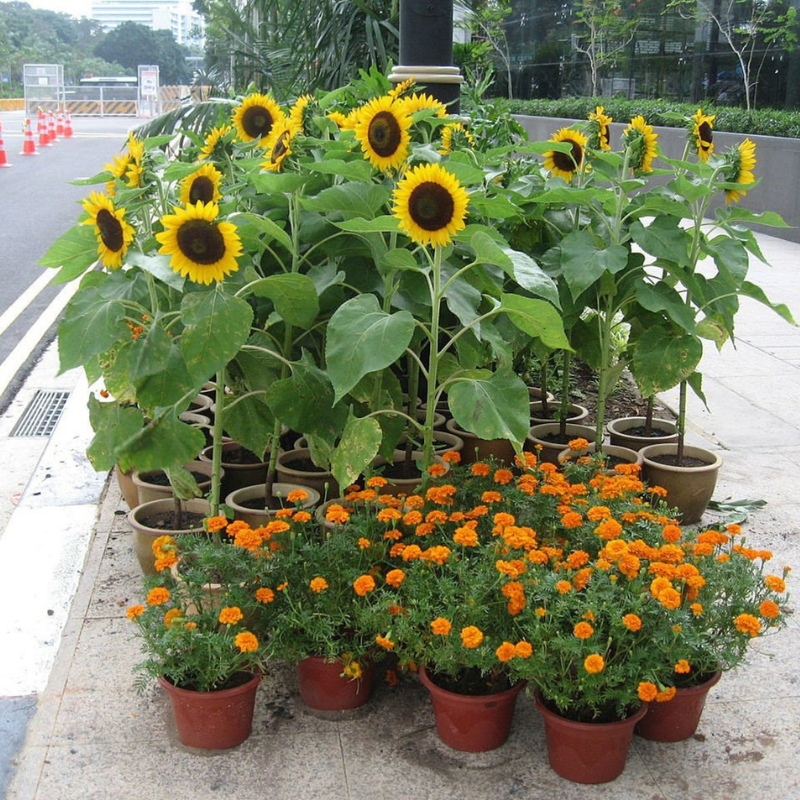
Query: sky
[[75, 8]]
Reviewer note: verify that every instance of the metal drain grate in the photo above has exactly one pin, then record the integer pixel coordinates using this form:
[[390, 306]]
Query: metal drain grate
[[41, 415]]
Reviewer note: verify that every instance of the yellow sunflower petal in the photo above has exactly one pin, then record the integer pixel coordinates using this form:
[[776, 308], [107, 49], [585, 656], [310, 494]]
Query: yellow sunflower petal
[[565, 165], [114, 235], [201, 185], [255, 117], [382, 130]]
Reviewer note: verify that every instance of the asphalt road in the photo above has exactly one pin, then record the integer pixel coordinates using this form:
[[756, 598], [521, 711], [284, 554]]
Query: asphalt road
[[38, 203]]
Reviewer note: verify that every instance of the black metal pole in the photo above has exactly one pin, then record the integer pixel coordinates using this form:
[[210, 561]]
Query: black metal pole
[[426, 49]]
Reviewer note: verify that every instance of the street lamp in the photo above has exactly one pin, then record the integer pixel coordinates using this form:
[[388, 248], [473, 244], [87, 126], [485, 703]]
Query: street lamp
[[426, 50]]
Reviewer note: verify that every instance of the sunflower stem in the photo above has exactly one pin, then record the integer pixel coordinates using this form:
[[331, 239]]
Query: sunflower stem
[[433, 358], [216, 443]]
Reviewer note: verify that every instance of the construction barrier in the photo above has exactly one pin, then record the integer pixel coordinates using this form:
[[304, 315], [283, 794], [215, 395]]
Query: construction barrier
[[12, 104]]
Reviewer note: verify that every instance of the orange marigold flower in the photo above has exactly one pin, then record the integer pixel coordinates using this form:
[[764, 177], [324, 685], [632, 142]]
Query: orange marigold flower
[[397, 549], [376, 482], [596, 513], [577, 559], [247, 539], [608, 529], [276, 526], [583, 630], [769, 609], [437, 470], [394, 534], [214, 524], [480, 469], [775, 583], [491, 497], [632, 622], [519, 538], [134, 611], [439, 554], [301, 516], [581, 578], [647, 691], [441, 626], [505, 652], [389, 515], [523, 649], [352, 670], [246, 642], [578, 444], [281, 586], [683, 667], [265, 595], [412, 552], [466, 537], [436, 517], [337, 514], [696, 609], [471, 637], [318, 585], [297, 496], [563, 587], [384, 641], [572, 519], [540, 612], [452, 457], [236, 526], [171, 616], [594, 663], [503, 476], [394, 577], [478, 511], [666, 695], [395, 610], [671, 553], [164, 545], [157, 596], [615, 549], [363, 585], [283, 513], [747, 623], [230, 615], [629, 565], [503, 518], [165, 562], [513, 568], [671, 533], [412, 517], [670, 598]]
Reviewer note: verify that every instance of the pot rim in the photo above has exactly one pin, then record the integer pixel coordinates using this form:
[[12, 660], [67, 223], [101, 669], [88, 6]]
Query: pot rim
[[711, 457]]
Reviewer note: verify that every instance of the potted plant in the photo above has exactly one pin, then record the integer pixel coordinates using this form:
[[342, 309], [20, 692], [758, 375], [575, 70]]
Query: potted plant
[[197, 643]]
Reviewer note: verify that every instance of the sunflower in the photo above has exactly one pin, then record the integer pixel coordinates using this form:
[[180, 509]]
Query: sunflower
[[640, 142], [346, 122], [203, 184], [255, 117], [279, 145], [455, 135], [299, 111], [401, 88], [701, 133], [201, 247], [431, 204], [114, 235], [118, 167], [213, 139], [418, 102], [740, 163], [135, 148], [382, 131], [599, 130], [565, 165]]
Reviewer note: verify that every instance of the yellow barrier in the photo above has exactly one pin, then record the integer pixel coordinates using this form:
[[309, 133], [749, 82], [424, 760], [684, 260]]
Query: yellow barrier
[[12, 104]]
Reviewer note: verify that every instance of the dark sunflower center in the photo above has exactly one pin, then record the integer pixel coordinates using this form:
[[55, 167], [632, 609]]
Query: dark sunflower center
[[704, 133], [257, 121], [202, 189], [384, 134], [281, 147], [431, 206], [201, 241], [563, 160], [110, 230]]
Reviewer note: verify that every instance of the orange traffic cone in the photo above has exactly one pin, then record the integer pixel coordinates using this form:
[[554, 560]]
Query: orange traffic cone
[[29, 146], [3, 156], [60, 123], [67, 125], [41, 129], [51, 127]]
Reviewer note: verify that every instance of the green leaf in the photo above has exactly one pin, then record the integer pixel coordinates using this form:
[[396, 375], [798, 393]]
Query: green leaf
[[531, 277], [282, 182], [294, 296], [488, 251], [583, 262], [250, 422], [492, 405], [264, 226], [166, 386], [183, 483], [661, 361], [661, 297], [362, 338], [113, 424], [537, 318], [158, 266], [689, 190], [740, 214], [467, 174], [163, 443], [350, 200], [217, 325], [662, 238], [383, 224], [72, 253], [350, 170], [358, 447], [91, 325], [757, 293], [497, 207], [400, 259]]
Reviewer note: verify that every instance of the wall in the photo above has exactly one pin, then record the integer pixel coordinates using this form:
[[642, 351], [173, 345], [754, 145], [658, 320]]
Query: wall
[[777, 168]]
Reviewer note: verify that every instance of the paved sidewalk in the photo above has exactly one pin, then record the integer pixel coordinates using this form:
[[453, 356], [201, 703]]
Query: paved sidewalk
[[93, 738]]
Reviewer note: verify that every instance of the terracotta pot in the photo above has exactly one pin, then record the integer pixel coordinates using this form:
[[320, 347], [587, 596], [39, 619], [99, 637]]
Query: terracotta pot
[[127, 487], [536, 393], [258, 517], [548, 451], [619, 432], [473, 723], [477, 449], [238, 474], [144, 533], [200, 422], [148, 490], [612, 451], [289, 470], [587, 752], [202, 404], [575, 412], [677, 719], [323, 688], [213, 720], [688, 488], [398, 486]]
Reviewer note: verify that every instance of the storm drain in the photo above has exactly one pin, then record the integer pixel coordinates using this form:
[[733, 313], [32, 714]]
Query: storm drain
[[41, 415]]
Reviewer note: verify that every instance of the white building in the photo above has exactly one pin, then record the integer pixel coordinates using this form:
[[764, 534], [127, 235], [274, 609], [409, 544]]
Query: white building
[[187, 25]]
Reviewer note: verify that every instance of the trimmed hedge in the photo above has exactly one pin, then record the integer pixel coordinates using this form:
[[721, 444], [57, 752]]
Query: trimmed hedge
[[763, 122]]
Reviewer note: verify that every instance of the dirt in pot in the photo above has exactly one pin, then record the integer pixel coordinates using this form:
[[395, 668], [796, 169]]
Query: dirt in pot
[[159, 478], [671, 460], [167, 521]]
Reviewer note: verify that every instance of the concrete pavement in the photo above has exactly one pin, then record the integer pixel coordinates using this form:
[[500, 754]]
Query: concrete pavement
[[92, 738]]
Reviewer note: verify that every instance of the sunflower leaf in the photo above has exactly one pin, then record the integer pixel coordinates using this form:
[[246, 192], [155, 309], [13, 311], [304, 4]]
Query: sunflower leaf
[[357, 448], [537, 318], [72, 253], [350, 170], [294, 296]]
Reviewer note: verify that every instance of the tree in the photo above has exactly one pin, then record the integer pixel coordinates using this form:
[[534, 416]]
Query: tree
[[488, 20]]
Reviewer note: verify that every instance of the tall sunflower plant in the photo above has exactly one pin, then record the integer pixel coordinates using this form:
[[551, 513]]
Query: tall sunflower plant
[[294, 257], [630, 240]]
